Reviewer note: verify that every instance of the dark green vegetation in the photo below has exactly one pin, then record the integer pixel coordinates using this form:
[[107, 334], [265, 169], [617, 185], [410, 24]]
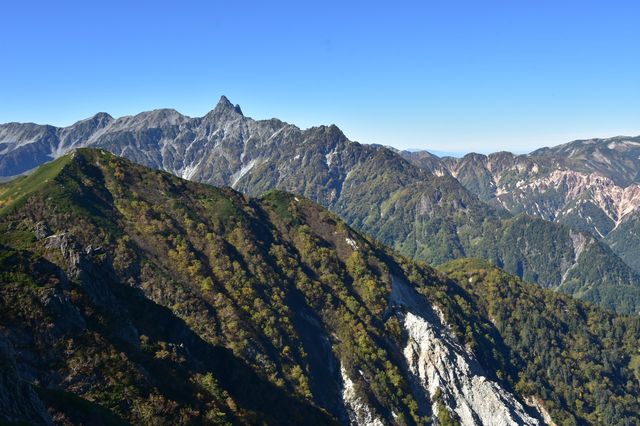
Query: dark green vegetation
[[625, 240], [169, 301], [545, 253], [130, 295], [583, 361]]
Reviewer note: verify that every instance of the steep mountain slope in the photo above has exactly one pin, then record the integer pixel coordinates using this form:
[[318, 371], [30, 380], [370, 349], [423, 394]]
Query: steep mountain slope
[[624, 240], [419, 213], [128, 294], [522, 311], [113, 273], [616, 158], [19, 402], [26, 146], [589, 185]]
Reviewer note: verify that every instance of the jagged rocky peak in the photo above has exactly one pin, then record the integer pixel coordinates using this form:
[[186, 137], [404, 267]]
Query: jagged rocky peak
[[224, 106], [331, 133]]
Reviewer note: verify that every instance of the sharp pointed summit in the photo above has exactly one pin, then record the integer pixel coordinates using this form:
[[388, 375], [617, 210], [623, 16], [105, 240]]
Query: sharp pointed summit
[[224, 102], [224, 105]]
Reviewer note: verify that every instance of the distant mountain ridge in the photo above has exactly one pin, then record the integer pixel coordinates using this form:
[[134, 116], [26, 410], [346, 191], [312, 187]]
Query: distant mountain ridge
[[424, 212], [591, 185], [617, 158]]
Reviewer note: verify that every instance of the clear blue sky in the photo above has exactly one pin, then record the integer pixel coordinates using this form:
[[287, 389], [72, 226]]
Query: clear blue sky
[[443, 75]]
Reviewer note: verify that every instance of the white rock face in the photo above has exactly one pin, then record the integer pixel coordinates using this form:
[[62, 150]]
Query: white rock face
[[189, 171], [240, 173], [351, 243], [535, 402], [440, 363], [580, 242], [359, 413], [568, 186]]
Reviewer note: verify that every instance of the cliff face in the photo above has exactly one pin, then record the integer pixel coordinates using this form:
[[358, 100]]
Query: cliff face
[[520, 311], [448, 373], [450, 380]]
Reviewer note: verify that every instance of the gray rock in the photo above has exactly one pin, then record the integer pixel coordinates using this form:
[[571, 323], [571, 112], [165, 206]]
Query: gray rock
[[41, 230]]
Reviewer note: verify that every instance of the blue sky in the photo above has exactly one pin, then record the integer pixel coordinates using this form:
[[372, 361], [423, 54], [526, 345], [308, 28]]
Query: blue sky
[[453, 76]]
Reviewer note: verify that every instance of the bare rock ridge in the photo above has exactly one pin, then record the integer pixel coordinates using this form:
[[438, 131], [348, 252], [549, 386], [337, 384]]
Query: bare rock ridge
[[448, 372]]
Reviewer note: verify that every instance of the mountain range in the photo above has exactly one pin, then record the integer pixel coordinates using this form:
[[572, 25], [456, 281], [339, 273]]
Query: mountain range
[[130, 295], [591, 185], [564, 218]]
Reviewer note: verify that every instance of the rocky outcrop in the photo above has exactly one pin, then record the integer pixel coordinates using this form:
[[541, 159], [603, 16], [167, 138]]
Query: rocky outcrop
[[81, 267], [447, 371], [532, 401], [579, 242], [41, 230], [70, 250], [443, 366], [359, 412], [562, 194]]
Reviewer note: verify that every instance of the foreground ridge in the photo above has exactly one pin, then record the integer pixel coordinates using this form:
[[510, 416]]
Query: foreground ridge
[[129, 294]]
